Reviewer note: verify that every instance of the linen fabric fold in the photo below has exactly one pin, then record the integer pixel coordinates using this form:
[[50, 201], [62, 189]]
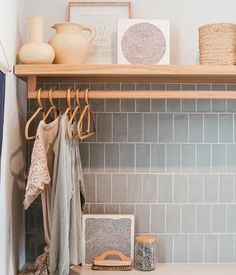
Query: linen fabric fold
[[68, 199]]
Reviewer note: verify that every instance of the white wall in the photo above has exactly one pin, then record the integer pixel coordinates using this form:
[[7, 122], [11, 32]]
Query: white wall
[[185, 17], [12, 185]]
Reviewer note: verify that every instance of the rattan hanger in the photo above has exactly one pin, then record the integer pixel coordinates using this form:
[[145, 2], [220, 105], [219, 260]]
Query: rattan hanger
[[53, 110], [77, 111], [89, 116], [68, 110], [38, 111]]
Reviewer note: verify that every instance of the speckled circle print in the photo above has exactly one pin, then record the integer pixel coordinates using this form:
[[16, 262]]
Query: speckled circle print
[[143, 43]]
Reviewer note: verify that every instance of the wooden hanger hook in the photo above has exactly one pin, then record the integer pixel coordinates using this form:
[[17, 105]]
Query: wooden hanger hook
[[77, 96], [39, 98], [68, 97], [86, 96], [50, 97]]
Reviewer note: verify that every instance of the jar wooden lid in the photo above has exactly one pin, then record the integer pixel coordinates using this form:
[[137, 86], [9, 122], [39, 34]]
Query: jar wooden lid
[[145, 239]]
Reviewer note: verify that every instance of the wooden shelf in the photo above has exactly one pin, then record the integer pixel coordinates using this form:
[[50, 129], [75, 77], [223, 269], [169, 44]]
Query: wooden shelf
[[129, 73]]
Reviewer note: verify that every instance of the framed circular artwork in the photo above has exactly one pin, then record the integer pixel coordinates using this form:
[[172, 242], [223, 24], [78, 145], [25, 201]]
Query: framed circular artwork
[[143, 42]]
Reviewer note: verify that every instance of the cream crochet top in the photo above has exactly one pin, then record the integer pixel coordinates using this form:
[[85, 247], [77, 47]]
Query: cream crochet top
[[39, 174]]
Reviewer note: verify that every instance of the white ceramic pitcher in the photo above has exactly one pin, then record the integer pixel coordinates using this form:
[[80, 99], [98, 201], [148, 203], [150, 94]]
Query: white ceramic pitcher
[[70, 45]]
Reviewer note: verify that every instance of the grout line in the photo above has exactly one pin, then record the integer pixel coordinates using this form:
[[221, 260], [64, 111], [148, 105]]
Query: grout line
[[188, 248], [119, 158], [196, 212], [188, 188], [172, 187], [96, 189], [150, 218], [142, 201], [180, 217], [157, 183], [218, 179], [126, 188], [111, 178], [204, 188], [233, 128], [211, 217], [181, 158], [165, 168], [234, 248], [173, 128], [226, 218], [165, 218], [162, 142], [203, 247], [180, 105], [226, 161], [142, 127], [112, 127], [234, 199], [196, 158], [203, 128], [173, 248], [89, 158], [181, 203], [150, 158]]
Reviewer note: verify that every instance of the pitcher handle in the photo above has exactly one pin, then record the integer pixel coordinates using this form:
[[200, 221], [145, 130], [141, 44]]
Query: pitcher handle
[[92, 32]]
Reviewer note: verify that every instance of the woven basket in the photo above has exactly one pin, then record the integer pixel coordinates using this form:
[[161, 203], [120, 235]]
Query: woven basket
[[217, 44]]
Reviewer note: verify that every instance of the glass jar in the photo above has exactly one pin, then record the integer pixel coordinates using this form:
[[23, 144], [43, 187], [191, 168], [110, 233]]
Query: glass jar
[[145, 253]]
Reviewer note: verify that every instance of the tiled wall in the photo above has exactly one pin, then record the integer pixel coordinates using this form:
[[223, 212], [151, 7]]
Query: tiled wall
[[172, 163]]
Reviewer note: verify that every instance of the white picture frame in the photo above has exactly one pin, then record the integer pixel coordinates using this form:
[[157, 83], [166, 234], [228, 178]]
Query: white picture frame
[[95, 232], [104, 17], [134, 42]]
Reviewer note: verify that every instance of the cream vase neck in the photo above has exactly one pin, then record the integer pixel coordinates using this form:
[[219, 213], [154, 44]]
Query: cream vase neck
[[35, 29]]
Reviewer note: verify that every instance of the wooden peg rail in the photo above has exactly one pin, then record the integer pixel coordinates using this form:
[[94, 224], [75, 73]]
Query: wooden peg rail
[[129, 74]]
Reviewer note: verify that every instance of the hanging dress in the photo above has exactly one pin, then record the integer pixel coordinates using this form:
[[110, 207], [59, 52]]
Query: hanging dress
[[67, 203], [39, 183]]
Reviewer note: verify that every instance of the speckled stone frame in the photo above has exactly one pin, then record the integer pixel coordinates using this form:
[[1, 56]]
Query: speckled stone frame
[[103, 232]]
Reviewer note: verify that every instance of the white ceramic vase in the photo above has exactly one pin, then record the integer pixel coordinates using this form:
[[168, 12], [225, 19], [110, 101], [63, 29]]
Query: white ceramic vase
[[36, 51], [70, 45]]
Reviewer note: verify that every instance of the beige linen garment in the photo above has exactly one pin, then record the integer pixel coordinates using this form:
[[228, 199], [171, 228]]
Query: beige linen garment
[[39, 182]]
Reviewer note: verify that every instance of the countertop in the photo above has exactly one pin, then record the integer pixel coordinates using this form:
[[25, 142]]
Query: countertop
[[171, 269]]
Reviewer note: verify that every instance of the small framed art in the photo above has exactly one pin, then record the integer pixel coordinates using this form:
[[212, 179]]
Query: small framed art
[[104, 17], [143, 42], [103, 232]]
